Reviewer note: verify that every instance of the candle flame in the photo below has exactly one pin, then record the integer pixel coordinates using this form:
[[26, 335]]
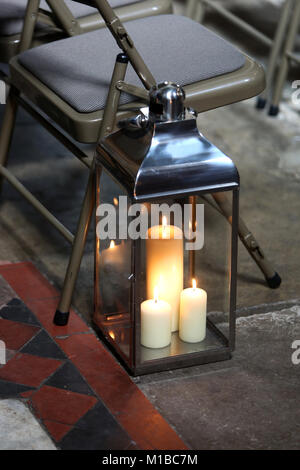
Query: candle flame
[[112, 244], [155, 294], [116, 202], [194, 284]]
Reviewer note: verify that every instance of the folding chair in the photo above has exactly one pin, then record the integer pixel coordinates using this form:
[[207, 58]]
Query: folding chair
[[288, 56], [69, 81], [55, 19], [281, 47]]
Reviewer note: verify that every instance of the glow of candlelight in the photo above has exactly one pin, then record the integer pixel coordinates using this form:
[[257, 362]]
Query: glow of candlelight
[[156, 294], [164, 225]]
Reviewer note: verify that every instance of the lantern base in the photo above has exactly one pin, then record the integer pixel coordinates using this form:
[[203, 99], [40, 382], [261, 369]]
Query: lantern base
[[61, 318], [214, 348], [223, 354], [274, 282]]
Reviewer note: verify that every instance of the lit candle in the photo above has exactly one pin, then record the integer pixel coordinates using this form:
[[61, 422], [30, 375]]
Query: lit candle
[[164, 261], [192, 323], [155, 322]]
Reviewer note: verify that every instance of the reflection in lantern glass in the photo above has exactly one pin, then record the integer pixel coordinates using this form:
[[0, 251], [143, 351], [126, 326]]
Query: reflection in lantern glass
[[112, 335]]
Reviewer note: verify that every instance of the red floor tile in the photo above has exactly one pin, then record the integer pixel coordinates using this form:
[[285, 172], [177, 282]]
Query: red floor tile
[[63, 406], [14, 334], [45, 310], [124, 399], [28, 370], [27, 394], [79, 345], [27, 281], [57, 430]]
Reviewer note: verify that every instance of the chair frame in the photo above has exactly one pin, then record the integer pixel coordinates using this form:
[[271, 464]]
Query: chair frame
[[281, 47], [62, 23], [207, 97], [287, 56]]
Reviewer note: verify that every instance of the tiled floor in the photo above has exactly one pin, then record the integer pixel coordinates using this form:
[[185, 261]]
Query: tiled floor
[[65, 375]]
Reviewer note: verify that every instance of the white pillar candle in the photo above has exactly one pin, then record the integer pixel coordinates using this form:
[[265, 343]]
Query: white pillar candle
[[155, 323], [192, 323], [164, 265]]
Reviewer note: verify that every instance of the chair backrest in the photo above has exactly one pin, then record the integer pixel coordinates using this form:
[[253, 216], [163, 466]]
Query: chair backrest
[[43, 21], [62, 16], [55, 14]]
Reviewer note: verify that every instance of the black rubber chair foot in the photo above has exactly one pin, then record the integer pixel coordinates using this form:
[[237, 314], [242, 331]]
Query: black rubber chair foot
[[274, 110], [274, 282], [261, 103], [61, 318]]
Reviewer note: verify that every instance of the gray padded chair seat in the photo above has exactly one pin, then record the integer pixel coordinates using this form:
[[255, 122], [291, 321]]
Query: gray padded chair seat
[[175, 48], [12, 13]]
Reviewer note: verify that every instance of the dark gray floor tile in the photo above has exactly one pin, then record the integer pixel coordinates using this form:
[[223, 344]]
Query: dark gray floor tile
[[68, 378], [43, 345], [97, 430], [16, 310]]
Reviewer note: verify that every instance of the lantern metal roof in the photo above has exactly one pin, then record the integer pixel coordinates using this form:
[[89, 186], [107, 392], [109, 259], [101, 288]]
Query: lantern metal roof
[[165, 154], [166, 159]]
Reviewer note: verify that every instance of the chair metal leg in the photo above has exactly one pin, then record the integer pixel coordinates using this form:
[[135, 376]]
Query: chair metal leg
[[200, 12], [284, 67], [61, 316], [280, 35], [62, 313], [247, 238], [191, 8], [29, 24], [7, 128]]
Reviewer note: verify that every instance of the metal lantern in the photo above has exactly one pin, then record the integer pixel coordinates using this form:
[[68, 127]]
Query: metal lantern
[[166, 257]]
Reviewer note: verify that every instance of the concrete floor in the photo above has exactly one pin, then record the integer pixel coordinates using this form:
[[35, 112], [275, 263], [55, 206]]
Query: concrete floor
[[253, 400], [19, 430], [249, 402]]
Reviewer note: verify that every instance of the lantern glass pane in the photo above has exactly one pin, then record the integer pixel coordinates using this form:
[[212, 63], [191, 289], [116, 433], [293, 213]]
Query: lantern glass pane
[[167, 268], [113, 267], [162, 278]]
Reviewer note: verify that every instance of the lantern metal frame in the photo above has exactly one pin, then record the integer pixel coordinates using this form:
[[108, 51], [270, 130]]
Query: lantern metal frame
[[142, 163]]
